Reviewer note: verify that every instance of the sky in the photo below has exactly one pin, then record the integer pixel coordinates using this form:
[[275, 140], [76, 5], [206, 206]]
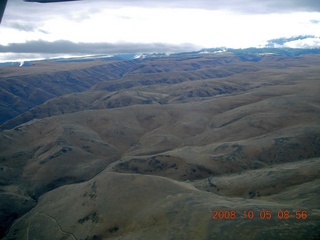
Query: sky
[[35, 30]]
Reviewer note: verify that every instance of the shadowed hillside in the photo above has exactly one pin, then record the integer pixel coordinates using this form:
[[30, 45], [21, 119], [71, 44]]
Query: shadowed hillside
[[151, 147], [24, 88]]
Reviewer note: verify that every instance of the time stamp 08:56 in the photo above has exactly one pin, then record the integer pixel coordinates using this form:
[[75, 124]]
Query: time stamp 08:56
[[261, 214]]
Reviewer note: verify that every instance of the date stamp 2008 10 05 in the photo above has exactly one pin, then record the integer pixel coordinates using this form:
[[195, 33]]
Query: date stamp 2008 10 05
[[261, 214]]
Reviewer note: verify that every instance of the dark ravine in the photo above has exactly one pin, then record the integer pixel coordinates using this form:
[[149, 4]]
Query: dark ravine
[[23, 92]]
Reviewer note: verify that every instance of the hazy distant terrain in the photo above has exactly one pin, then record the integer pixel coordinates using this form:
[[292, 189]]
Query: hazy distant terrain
[[148, 148]]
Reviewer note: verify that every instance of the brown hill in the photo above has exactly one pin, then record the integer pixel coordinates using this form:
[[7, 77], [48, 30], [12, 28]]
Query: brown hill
[[174, 80], [24, 88], [156, 159], [130, 206]]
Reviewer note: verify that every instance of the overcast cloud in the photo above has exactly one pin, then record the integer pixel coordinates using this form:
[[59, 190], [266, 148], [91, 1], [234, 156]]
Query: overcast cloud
[[260, 6], [245, 6], [252, 6], [111, 26], [68, 47]]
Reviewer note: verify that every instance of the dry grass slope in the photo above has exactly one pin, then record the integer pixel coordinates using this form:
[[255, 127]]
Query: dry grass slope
[[152, 150]]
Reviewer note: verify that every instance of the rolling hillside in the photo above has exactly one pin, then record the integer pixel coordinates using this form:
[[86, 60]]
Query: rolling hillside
[[149, 148]]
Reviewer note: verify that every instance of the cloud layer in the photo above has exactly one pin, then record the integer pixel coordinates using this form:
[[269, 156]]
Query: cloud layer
[[253, 6], [268, 6], [244, 6], [307, 41], [125, 26], [68, 47]]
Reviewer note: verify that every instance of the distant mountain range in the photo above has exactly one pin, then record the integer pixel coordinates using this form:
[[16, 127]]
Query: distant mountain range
[[274, 46]]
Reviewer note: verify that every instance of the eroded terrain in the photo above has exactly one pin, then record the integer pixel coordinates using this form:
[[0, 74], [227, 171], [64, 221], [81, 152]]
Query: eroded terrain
[[148, 148]]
